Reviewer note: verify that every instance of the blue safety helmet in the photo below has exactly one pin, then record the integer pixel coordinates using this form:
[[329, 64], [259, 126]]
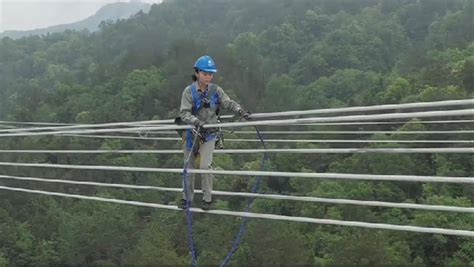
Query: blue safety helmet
[[205, 63]]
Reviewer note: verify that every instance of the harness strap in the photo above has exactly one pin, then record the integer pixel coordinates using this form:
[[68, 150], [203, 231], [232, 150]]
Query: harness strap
[[198, 98], [198, 104]]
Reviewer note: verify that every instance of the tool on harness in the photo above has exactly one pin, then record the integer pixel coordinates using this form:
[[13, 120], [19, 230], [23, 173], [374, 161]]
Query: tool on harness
[[219, 135], [206, 103], [196, 136], [220, 139], [179, 121]]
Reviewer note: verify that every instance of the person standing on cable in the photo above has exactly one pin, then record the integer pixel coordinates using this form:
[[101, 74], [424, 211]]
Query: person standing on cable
[[200, 105]]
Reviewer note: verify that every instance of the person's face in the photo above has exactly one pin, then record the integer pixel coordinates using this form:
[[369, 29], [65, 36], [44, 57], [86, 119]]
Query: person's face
[[204, 77]]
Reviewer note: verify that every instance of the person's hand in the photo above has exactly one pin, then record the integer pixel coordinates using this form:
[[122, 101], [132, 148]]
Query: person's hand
[[244, 114], [198, 124], [198, 128]]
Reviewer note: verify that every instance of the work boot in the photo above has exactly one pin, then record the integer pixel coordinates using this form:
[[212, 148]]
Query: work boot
[[206, 205]]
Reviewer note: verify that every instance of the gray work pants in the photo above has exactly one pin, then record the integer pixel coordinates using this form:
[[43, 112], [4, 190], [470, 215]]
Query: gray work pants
[[203, 161]]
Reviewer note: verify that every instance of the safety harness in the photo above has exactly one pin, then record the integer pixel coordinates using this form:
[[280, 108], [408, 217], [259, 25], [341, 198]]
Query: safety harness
[[208, 99]]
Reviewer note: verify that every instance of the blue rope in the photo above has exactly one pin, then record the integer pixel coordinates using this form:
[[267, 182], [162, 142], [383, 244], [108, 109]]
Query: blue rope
[[236, 243], [189, 215]]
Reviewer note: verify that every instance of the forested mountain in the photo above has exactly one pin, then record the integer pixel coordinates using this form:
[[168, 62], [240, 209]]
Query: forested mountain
[[272, 55], [109, 12]]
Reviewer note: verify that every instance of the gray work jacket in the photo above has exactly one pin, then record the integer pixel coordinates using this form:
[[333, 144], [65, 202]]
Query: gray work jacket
[[206, 115]]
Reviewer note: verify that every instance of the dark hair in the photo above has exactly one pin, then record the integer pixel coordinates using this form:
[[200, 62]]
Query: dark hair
[[194, 77]]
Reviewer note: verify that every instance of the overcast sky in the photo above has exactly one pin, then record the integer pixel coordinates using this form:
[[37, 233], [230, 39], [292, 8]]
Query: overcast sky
[[35, 14]]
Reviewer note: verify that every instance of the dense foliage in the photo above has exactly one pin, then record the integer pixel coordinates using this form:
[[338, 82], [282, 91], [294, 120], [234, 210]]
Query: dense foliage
[[272, 55]]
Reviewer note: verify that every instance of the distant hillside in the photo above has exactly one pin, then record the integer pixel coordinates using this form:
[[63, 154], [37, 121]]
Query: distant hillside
[[108, 12]]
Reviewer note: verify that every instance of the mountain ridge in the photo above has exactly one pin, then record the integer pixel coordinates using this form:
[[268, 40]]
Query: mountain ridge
[[113, 12]]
